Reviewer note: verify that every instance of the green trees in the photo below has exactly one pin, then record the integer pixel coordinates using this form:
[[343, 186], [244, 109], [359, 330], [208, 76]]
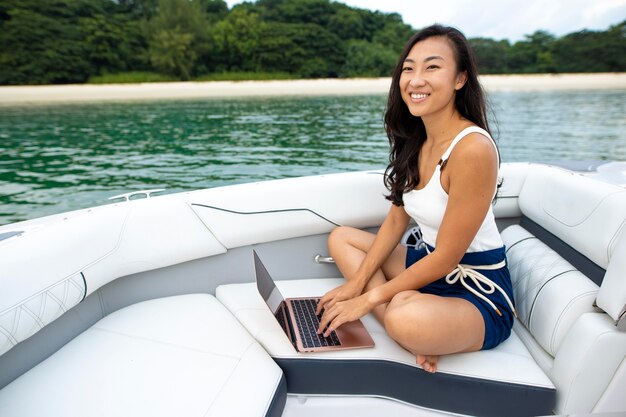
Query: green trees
[[491, 55], [111, 42], [366, 59], [542, 52], [235, 40], [43, 43], [177, 36], [589, 51], [71, 41]]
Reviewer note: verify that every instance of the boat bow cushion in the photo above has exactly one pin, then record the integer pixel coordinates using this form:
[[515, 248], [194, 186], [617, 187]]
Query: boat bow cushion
[[549, 196], [46, 271], [612, 295], [550, 294], [176, 356], [572, 229], [502, 381]]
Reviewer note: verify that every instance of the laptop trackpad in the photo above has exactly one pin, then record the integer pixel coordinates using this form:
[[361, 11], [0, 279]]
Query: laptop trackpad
[[354, 334]]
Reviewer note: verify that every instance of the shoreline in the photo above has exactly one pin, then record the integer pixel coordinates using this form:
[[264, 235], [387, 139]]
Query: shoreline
[[81, 93]]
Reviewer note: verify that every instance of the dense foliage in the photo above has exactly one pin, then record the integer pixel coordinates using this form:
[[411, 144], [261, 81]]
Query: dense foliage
[[75, 41]]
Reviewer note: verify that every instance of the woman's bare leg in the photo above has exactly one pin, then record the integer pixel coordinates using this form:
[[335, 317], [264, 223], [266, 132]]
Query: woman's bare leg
[[349, 246], [424, 324], [428, 326]]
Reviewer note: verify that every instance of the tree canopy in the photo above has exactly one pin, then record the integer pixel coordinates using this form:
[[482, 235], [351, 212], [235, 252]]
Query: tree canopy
[[72, 41]]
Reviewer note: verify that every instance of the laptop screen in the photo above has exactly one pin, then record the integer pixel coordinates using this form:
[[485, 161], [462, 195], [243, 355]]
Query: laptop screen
[[264, 282]]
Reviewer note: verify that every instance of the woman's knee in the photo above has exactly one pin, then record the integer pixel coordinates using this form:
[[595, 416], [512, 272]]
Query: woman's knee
[[397, 314], [339, 237], [402, 298]]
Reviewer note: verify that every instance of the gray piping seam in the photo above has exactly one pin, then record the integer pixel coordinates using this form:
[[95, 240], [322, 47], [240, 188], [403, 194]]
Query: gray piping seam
[[532, 307], [266, 211], [519, 241], [84, 282]]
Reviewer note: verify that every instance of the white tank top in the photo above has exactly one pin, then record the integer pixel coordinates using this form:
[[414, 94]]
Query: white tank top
[[428, 205]]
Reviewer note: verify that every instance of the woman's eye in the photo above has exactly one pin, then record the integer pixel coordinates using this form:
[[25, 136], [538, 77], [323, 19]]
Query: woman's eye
[[432, 67], [404, 69]]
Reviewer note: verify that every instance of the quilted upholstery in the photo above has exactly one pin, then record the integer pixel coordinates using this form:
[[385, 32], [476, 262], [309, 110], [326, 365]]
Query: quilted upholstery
[[532, 264], [550, 294], [32, 314]]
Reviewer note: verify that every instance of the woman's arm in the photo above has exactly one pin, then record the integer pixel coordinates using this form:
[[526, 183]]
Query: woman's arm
[[472, 181], [385, 242]]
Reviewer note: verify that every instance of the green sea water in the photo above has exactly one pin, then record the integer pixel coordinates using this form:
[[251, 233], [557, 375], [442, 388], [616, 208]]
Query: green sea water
[[55, 158]]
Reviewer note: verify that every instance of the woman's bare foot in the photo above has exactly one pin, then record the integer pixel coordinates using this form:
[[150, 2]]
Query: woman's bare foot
[[427, 362]]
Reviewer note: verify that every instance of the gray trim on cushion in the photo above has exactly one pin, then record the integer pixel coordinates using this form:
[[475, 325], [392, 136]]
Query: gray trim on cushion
[[265, 211], [7, 235], [440, 391], [279, 400], [578, 260]]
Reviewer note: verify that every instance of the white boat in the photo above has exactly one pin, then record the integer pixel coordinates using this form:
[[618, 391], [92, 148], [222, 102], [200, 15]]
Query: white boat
[[148, 307]]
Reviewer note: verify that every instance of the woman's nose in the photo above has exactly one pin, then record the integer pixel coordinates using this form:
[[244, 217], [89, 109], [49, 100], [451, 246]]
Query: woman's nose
[[417, 80]]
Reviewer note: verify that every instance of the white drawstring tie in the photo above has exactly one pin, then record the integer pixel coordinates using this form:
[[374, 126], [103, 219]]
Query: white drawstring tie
[[483, 283]]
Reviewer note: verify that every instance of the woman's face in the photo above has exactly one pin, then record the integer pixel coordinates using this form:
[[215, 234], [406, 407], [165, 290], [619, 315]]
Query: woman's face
[[429, 78]]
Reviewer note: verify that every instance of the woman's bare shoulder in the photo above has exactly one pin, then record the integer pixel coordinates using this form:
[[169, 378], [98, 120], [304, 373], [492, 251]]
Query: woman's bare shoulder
[[475, 148]]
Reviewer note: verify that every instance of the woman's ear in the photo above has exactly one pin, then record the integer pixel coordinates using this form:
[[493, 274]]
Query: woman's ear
[[461, 79]]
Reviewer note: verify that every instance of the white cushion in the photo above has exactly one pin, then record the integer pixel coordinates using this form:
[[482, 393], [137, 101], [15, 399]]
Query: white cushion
[[509, 362], [52, 267], [613, 399], [176, 356], [586, 362], [550, 294], [612, 294], [548, 197], [246, 214], [28, 316], [513, 176]]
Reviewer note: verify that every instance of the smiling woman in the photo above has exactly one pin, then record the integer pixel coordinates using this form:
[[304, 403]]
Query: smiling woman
[[421, 74], [420, 295], [444, 67], [431, 80]]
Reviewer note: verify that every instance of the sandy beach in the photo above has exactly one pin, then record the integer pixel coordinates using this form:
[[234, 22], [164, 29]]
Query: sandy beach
[[21, 95]]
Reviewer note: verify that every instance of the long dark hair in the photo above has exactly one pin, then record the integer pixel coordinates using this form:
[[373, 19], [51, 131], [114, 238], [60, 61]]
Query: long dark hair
[[406, 132]]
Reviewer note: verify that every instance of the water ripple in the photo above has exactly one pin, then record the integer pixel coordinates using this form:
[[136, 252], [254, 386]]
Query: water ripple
[[59, 158]]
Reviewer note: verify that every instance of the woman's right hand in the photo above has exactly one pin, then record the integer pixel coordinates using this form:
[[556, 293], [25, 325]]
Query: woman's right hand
[[347, 291]]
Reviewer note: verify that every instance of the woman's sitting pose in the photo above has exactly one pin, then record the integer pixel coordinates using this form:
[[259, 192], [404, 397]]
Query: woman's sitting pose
[[452, 293]]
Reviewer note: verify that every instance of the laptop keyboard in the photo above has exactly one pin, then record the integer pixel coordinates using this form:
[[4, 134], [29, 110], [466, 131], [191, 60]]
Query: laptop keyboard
[[308, 323]]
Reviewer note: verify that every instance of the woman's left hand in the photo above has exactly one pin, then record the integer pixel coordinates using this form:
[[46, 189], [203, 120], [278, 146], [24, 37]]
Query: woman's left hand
[[344, 312]]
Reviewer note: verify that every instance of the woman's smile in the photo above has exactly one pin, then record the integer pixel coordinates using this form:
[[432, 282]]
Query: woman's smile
[[418, 97]]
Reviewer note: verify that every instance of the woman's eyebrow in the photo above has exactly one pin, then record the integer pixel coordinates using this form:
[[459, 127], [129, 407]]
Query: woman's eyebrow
[[430, 58]]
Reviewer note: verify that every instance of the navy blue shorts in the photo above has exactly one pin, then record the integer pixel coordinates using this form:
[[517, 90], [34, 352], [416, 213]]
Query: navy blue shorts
[[497, 328]]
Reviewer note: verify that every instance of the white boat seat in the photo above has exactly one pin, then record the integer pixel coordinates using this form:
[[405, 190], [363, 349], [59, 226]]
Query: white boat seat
[[176, 356], [567, 262], [502, 381]]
